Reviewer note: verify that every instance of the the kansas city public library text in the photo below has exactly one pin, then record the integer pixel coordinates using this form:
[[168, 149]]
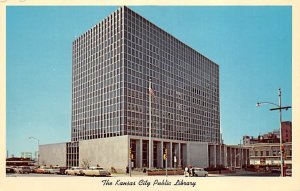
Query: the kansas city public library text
[[147, 183]]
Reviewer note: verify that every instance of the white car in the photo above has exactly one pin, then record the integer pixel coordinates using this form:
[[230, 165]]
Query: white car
[[288, 172], [200, 172], [74, 171], [95, 171], [53, 170]]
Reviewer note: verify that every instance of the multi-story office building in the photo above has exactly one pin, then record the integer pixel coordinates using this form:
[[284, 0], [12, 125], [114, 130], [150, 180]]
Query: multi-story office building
[[113, 63]]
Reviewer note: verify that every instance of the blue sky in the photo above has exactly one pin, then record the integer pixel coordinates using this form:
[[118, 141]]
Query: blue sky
[[252, 46]]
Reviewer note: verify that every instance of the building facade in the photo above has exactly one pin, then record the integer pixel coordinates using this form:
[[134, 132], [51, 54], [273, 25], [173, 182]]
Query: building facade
[[265, 149], [286, 130], [268, 154], [112, 65], [232, 156], [272, 137]]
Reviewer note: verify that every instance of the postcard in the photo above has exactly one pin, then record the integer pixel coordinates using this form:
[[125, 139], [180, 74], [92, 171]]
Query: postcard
[[169, 96]]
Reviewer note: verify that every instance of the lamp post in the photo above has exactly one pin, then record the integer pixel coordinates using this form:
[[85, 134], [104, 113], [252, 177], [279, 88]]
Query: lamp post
[[278, 107], [38, 153]]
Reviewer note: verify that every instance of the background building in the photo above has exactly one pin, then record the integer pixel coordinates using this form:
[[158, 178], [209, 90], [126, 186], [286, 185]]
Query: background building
[[268, 154], [19, 161], [286, 129], [265, 149], [272, 137], [26, 155]]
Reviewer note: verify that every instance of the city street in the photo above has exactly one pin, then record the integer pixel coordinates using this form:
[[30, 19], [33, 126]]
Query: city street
[[138, 174]]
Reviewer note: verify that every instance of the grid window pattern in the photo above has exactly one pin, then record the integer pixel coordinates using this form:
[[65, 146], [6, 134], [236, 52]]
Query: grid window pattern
[[112, 65], [97, 81], [72, 154]]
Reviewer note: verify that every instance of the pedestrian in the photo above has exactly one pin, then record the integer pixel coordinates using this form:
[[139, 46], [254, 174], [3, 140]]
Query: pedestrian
[[193, 172], [186, 171], [127, 169]]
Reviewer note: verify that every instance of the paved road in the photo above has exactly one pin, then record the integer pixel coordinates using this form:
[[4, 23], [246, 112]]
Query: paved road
[[139, 174]]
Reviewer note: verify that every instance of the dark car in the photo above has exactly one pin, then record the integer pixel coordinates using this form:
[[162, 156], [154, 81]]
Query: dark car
[[23, 170], [62, 170], [275, 170], [10, 170]]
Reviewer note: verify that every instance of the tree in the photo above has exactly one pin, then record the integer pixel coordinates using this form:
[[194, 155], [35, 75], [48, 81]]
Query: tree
[[44, 163], [85, 163]]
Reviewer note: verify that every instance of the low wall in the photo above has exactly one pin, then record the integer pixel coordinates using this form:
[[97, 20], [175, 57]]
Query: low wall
[[105, 152], [163, 172], [53, 154]]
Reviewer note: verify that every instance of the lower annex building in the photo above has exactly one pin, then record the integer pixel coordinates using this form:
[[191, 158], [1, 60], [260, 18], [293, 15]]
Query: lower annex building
[[113, 101]]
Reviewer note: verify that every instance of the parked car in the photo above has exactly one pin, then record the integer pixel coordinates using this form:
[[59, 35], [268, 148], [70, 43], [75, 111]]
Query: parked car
[[40, 169], [74, 171], [48, 170], [200, 172], [95, 171], [23, 170], [52, 170], [33, 168], [62, 170], [275, 170], [288, 172], [10, 170]]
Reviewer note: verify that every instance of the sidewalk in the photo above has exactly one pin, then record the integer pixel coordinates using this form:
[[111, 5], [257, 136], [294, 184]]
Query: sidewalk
[[133, 174]]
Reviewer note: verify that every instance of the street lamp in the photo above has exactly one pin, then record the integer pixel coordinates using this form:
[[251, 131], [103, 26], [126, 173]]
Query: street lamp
[[38, 141], [278, 107]]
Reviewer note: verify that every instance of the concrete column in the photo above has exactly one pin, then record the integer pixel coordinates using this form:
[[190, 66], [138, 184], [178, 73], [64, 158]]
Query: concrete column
[[179, 156], [127, 152], [235, 164], [151, 152], [225, 156], [234, 157], [215, 155], [242, 159], [228, 155], [221, 156], [176, 145], [184, 161], [170, 154], [231, 157], [208, 155], [139, 153], [160, 154]]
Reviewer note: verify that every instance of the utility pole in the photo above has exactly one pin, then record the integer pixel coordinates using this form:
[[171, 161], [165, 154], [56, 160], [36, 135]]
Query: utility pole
[[280, 108]]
